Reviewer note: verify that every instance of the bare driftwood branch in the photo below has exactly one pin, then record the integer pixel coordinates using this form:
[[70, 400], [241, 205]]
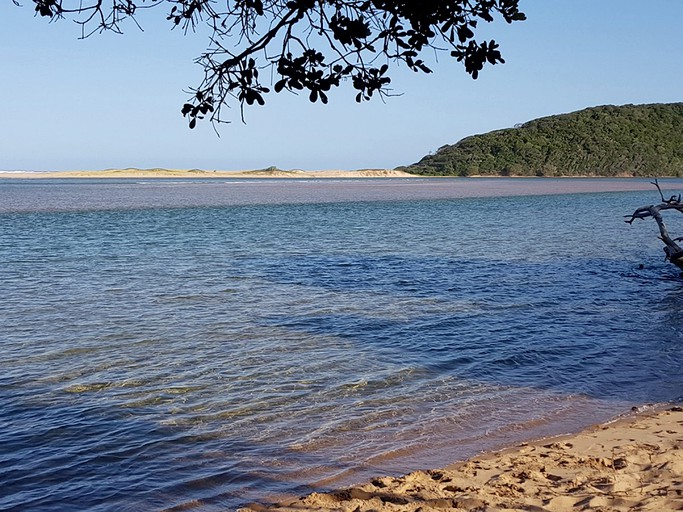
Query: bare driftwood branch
[[673, 251]]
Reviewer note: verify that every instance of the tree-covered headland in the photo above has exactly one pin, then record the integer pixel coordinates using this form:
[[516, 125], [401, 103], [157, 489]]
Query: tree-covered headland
[[628, 140]]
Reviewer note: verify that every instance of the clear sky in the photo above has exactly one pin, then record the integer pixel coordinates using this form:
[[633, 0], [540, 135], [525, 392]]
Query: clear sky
[[114, 101]]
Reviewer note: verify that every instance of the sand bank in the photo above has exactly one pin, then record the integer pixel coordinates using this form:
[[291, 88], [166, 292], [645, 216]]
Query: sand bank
[[635, 463], [198, 173]]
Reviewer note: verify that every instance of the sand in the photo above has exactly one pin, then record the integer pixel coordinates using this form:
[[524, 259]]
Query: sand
[[634, 463], [198, 173]]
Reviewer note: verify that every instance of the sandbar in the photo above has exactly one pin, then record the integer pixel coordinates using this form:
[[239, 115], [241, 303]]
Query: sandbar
[[199, 173], [632, 463]]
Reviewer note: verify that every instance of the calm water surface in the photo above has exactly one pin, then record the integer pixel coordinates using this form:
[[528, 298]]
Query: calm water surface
[[199, 345]]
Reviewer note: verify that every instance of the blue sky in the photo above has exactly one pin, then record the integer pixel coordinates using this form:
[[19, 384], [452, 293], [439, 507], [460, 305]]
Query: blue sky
[[114, 101]]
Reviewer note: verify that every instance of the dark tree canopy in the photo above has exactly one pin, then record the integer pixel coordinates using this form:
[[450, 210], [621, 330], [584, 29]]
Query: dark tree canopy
[[627, 140], [305, 45]]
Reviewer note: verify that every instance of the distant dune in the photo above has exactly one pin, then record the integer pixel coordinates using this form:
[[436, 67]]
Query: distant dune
[[271, 172]]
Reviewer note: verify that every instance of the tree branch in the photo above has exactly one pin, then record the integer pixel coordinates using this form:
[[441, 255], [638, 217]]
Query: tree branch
[[343, 41], [673, 251]]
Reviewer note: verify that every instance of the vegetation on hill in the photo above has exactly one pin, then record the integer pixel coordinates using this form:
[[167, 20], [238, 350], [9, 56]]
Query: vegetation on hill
[[629, 140]]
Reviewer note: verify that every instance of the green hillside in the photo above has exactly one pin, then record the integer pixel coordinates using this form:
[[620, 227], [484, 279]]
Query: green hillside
[[629, 140]]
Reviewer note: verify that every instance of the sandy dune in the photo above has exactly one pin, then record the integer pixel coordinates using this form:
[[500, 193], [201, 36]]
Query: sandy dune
[[198, 173], [632, 464]]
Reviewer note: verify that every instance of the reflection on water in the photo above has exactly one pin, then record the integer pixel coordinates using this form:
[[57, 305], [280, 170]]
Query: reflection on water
[[205, 356]]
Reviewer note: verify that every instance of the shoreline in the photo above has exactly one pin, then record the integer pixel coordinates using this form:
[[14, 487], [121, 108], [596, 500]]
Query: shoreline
[[632, 461], [157, 173], [198, 173]]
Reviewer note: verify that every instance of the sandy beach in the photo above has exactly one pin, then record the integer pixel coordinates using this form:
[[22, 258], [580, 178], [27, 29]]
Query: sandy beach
[[633, 463], [199, 173]]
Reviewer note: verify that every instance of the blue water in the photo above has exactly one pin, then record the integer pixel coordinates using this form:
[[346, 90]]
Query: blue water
[[223, 343]]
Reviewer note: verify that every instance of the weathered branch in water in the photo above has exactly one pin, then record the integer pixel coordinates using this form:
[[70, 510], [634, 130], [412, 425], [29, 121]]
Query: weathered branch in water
[[673, 251]]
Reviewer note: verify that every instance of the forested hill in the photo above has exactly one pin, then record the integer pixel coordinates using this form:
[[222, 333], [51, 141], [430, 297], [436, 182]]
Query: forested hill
[[629, 140]]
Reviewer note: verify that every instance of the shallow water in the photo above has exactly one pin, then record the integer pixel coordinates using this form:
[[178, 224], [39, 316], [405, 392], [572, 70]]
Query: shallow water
[[222, 343]]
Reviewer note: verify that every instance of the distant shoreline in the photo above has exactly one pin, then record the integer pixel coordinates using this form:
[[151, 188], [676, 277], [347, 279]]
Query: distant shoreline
[[197, 173], [134, 173]]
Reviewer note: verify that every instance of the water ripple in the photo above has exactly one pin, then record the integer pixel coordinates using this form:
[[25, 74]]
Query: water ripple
[[201, 357]]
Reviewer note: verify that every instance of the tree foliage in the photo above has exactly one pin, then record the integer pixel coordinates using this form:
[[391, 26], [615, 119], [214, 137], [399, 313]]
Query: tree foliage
[[629, 140], [307, 45]]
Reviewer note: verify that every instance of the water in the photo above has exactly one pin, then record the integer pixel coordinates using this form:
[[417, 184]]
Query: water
[[228, 342]]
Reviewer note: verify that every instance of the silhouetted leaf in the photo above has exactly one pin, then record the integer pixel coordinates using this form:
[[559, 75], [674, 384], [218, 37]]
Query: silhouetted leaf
[[352, 35]]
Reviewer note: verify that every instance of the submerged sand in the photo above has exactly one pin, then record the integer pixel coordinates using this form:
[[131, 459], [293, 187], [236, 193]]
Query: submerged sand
[[635, 463]]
